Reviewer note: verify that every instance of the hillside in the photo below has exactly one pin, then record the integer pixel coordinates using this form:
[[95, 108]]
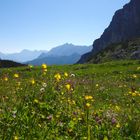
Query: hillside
[[118, 51], [8, 64], [125, 25]]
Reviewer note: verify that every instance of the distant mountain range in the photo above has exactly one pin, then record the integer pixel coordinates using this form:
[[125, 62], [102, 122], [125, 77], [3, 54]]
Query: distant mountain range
[[63, 54], [125, 26], [56, 60], [22, 56], [66, 50]]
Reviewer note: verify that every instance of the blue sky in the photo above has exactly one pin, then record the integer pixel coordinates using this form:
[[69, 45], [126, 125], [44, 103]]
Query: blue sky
[[43, 24]]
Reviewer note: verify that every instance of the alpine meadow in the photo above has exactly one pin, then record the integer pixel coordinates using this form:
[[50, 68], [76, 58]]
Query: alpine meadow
[[55, 84]]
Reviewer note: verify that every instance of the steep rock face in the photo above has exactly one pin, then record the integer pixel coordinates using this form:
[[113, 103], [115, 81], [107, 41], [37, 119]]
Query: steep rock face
[[125, 25]]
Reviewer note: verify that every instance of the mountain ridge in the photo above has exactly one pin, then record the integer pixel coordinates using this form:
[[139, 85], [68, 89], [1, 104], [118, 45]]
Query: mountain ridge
[[66, 49], [56, 60], [60, 55], [22, 56]]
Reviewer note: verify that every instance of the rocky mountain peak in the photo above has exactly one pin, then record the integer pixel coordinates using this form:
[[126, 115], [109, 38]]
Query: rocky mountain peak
[[125, 25]]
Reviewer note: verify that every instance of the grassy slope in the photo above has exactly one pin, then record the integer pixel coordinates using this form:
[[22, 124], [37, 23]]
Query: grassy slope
[[33, 111]]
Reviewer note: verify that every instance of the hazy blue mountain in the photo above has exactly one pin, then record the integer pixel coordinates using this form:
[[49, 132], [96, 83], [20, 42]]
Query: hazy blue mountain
[[1, 55], [67, 50], [56, 60], [25, 55], [63, 54]]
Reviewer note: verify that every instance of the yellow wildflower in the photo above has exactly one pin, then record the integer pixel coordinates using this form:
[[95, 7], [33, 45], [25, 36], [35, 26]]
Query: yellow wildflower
[[15, 137], [97, 85], [69, 130], [73, 102], [74, 119], [117, 108], [134, 94], [5, 78], [68, 86], [44, 70], [82, 113], [44, 73], [30, 66], [57, 77], [105, 138], [79, 118], [32, 81], [118, 125], [69, 101], [134, 76], [16, 75], [88, 105], [44, 66], [57, 116], [87, 97], [138, 68], [39, 125], [36, 101], [66, 74]]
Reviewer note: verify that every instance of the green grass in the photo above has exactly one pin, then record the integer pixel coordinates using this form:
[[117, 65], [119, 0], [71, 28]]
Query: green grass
[[48, 110]]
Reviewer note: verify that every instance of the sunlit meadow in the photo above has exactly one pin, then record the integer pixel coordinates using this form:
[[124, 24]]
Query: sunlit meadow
[[71, 102]]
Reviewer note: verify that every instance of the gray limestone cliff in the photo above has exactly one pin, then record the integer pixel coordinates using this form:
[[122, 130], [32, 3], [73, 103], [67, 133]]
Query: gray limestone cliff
[[125, 25]]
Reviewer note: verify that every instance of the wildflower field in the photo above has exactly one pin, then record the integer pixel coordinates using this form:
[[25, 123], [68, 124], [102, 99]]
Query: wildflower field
[[71, 102]]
